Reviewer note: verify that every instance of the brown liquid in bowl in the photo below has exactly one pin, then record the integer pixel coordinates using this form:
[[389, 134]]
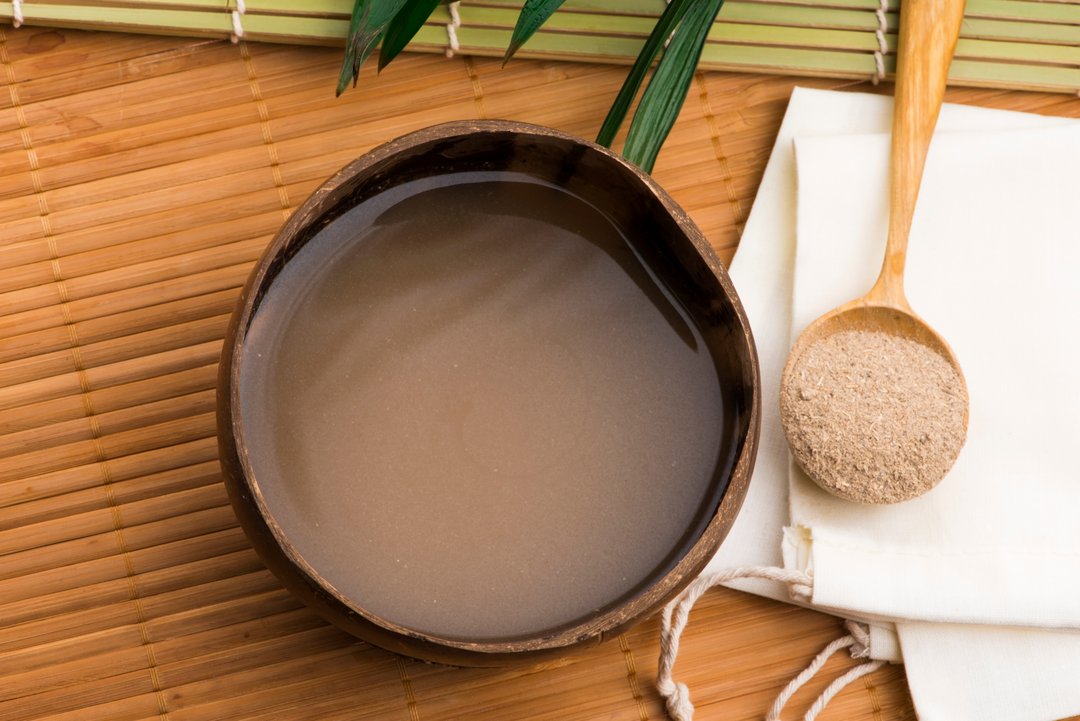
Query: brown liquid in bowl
[[476, 414]]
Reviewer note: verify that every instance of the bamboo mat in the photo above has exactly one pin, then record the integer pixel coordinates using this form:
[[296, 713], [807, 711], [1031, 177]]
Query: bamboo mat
[[1025, 44], [139, 179]]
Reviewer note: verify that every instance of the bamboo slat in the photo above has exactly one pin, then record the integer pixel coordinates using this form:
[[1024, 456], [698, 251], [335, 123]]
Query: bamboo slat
[[139, 179], [1008, 43]]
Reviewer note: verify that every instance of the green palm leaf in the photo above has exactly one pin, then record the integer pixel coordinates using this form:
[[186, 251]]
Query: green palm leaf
[[534, 13], [663, 98], [403, 27], [684, 26], [667, 23], [369, 21]]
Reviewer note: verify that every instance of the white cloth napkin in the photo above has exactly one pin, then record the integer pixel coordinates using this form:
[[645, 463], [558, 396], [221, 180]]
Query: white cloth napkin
[[763, 271], [993, 265], [941, 557]]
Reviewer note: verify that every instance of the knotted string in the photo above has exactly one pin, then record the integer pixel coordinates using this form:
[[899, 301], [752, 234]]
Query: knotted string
[[237, 27], [451, 28], [674, 619], [676, 615]]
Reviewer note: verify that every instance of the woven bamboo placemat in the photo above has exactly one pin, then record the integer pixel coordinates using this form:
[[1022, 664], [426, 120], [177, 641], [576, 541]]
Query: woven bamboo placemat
[[139, 179], [1017, 44]]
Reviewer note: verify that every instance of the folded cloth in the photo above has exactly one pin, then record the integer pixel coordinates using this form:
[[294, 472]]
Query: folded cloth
[[1033, 674], [763, 271], [992, 265], [990, 673]]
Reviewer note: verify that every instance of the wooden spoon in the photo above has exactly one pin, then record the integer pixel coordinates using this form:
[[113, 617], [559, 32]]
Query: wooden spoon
[[929, 30]]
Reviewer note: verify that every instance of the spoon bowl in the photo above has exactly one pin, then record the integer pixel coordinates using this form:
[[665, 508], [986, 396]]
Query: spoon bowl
[[874, 318]]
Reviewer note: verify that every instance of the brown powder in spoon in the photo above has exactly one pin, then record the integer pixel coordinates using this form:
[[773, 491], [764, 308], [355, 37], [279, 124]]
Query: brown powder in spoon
[[873, 417]]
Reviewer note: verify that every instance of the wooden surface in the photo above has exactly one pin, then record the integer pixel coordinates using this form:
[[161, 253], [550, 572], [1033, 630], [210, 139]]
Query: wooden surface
[[139, 179]]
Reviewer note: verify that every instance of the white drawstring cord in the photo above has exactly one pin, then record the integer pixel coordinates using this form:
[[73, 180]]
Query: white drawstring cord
[[838, 685], [676, 615], [858, 641], [674, 619], [805, 675]]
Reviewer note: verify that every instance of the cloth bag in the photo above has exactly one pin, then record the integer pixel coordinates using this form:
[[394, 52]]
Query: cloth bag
[[986, 564]]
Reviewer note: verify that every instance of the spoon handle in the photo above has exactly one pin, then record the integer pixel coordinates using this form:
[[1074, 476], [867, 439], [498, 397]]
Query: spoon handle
[[929, 30]]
